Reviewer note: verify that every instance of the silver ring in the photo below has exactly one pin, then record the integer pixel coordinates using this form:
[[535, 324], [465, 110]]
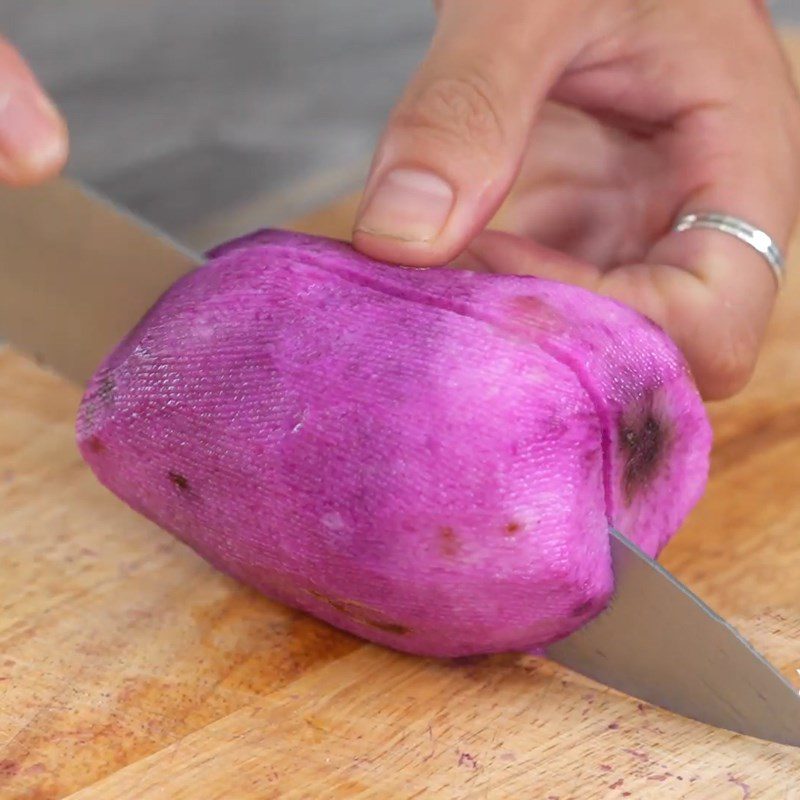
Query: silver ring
[[759, 240]]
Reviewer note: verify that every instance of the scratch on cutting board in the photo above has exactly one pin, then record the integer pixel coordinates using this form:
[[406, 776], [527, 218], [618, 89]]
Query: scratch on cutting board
[[741, 784], [638, 754], [433, 745]]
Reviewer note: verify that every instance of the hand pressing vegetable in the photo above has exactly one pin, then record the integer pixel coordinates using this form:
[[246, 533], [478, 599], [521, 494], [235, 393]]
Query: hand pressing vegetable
[[606, 123], [430, 459]]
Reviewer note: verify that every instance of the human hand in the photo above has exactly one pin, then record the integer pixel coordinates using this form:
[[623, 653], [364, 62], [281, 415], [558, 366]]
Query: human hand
[[608, 119], [33, 136]]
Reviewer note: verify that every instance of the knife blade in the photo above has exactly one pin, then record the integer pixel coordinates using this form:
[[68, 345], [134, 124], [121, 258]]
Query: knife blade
[[659, 642], [76, 273]]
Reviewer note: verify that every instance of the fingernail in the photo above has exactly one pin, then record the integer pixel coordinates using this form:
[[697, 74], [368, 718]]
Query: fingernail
[[31, 131], [410, 205]]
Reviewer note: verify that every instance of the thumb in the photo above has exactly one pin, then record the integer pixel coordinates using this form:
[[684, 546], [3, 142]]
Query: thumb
[[454, 142]]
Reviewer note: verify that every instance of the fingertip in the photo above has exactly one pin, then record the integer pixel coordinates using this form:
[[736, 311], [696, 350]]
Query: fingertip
[[34, 141], [404, 215]]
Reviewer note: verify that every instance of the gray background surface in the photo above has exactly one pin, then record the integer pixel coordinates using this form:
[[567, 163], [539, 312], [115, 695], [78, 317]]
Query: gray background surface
[[185, 111]]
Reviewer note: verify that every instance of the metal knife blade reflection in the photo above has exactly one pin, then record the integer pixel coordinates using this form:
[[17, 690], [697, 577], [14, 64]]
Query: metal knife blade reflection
[[659, 642]]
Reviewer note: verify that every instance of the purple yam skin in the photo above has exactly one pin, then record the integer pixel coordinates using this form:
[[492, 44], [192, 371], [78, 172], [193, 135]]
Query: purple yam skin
[[429, 459]]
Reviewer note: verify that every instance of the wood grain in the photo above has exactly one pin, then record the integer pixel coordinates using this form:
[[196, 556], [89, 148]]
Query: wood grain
[[130, 669]]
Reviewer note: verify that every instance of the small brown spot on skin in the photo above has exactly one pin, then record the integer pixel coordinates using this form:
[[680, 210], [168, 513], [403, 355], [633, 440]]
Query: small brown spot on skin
[[513, 528], [95, 444], [643, 444], [179, 480], [448, 542]]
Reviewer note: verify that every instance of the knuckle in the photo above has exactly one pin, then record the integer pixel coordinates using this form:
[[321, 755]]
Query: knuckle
[[460, 109]]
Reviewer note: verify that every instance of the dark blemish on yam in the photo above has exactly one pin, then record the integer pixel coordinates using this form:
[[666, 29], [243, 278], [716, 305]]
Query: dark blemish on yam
[[643, 444], [448, 541], [513, 528], [178, 480], [96, 444], [358, 612], [99, 400], [582, 608], [105, 389]]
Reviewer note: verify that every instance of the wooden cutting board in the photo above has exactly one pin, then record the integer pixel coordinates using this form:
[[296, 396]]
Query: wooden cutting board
[[130, 669]]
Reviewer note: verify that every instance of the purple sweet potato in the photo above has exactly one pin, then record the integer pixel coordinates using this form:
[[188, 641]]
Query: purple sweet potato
[[430, 459]]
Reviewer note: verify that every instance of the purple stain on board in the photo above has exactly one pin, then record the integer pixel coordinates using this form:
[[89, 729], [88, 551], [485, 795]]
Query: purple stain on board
[[465, 759], [741, 784]]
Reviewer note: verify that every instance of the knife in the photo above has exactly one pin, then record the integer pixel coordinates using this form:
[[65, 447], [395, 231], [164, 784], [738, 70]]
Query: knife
[[76, 273]]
